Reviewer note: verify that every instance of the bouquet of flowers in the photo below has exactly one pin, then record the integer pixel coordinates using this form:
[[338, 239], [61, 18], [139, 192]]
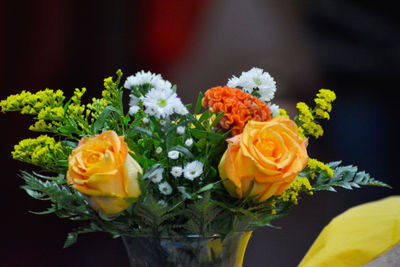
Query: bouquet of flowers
[[231, 163]]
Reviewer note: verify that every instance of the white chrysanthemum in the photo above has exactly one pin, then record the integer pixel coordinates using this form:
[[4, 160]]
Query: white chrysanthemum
[[142, 77], [180, 109], [185, 195], [162, 84], [173, 154], [189, 142], [180, 130], [193, 170], [234, 82], [176, 171], [162, 103], [145, 120], [165, 188], [133, 110], [159, 150], [133, 105], [274, 109], [157, 175], [134, 101], [255, 78]]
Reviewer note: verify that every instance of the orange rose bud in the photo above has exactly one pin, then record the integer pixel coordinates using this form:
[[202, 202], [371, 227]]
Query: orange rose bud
[[101, 169], [264, 159]]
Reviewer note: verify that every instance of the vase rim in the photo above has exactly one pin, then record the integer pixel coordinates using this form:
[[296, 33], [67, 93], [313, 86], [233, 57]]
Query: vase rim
[[183, 236]]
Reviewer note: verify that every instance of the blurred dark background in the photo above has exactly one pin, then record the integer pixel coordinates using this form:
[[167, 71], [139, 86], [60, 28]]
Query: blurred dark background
[[352, 47]]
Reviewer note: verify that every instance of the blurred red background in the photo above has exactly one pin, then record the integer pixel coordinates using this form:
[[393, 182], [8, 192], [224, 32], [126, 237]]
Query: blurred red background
[[350, 47]]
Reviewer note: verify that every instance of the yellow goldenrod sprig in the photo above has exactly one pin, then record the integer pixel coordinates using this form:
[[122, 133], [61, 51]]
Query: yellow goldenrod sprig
[[300, 184], [283, 113], [308, 126], [323, 103], [111, 92], [28, 103], [42, 151], [315, 166]]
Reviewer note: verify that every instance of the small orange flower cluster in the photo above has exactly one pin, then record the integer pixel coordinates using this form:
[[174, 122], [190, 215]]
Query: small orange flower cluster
[[238, 107]]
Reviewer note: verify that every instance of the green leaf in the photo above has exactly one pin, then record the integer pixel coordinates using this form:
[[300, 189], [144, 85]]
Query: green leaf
[[35, 194], [102, 119], [48, 211], [150, 170], [205, 116], [346, 177], [131, 200], [217, 119], [205, 134], [68, 129], [184, 151], [66, 105], [182, 123], [131, 132], [71, 239], [69, 143], [198, 103]]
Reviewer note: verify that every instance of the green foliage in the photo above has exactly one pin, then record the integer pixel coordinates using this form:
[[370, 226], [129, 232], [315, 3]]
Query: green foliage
[[65, 201], [347, 177]]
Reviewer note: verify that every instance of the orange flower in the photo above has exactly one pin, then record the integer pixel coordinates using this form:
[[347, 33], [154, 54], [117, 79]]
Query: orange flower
[[101, 169], [264, 159], [238, 107]]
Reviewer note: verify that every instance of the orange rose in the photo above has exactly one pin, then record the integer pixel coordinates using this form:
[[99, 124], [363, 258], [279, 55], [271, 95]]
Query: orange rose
[[101, 168], [264, 159]]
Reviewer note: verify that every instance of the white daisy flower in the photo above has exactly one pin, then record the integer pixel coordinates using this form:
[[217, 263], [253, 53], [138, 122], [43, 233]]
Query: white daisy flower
[[162, 103], [133, 105], [162, 122], [173, 154], [162, 84], [176, 171], [133, 110], [159, 150], [156, 176], [185, 195], [189, 142], [134, 101], [180, 109], [151, 111], [180, 130], [274, 109], [142, 77], [255, 78], [193, 170], [145, 120], [165, 188], [233, 82]]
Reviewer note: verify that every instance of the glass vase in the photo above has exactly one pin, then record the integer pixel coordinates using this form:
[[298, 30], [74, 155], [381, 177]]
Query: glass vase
[[182, 251]]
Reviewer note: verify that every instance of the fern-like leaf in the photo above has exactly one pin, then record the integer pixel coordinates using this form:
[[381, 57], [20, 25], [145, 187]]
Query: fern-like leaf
[[347, 177]]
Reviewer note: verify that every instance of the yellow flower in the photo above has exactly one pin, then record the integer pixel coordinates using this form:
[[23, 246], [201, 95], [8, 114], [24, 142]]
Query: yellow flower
[[101, 168], [41, 151], [306, 121], [283, 113], [28, 103], [264, 159], [314, 164], [308, 125]]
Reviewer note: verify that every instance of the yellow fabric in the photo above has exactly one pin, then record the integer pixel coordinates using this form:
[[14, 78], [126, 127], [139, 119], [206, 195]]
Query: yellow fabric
[[357, 236]]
